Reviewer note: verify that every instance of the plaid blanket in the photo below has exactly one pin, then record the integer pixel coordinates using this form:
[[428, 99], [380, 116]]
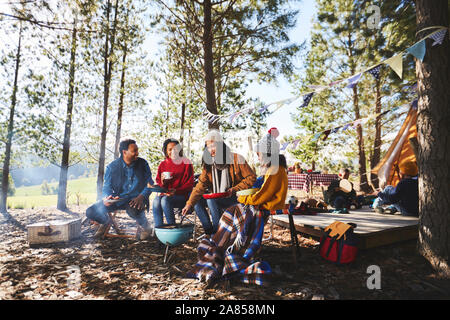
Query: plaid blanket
[[230, 251]]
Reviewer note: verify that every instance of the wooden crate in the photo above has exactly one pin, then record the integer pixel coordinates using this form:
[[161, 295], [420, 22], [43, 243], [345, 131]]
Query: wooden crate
[[54, 231]]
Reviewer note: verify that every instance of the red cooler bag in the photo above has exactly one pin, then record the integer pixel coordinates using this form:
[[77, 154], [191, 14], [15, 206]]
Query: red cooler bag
[[339, 244]]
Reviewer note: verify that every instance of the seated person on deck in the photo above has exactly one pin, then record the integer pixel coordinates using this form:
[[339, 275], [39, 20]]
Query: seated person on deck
[[405, 196], [336, 197]]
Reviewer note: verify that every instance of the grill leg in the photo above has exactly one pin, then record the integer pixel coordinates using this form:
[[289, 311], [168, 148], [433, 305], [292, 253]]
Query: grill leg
[[166, 252]]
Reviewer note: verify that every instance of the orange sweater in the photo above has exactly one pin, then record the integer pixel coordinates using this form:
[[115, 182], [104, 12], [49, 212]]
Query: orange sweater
[[272, 194]]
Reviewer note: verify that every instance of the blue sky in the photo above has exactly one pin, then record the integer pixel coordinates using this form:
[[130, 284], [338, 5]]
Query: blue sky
[[269, 93]]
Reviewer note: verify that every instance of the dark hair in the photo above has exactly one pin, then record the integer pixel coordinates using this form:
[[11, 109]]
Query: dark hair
[[222, 148], [165, 145], [124, 144], [281, 162]]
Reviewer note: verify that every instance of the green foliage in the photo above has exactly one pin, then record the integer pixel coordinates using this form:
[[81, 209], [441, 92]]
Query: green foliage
[[341, 45]]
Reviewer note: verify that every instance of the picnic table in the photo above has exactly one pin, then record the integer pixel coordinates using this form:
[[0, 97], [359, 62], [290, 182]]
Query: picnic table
[[303, 181]]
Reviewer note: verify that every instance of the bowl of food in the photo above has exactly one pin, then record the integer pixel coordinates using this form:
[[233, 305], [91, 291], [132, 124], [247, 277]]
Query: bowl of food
[[174, 234], [247, 192]]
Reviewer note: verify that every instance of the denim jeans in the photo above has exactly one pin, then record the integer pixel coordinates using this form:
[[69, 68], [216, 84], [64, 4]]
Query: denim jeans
[[166, 205], [378, 202], [99, 213], [216, 207]]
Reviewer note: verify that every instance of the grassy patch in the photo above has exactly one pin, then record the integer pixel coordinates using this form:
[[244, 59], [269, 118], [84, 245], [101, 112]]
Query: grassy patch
[[80, 191]]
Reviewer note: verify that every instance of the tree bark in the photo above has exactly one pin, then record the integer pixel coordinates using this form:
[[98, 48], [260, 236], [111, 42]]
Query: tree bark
[[376, 155], [208, 62], [6, 163], [109, 48], [433, 129], [364, 186], [121, 97], [62, 188]]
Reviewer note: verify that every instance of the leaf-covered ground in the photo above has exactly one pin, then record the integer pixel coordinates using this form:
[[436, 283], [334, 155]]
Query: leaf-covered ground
[[129, 269]]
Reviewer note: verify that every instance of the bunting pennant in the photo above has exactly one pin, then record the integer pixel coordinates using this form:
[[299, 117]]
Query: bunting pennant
[[438, 37], [353, 80], [375, 72], [414, 104], [346, 126], [317, 136], [327, 133], [334, 130], [295, 143], [417, 50], [396, 63], [306, 99], [263, 108], [284, 146]]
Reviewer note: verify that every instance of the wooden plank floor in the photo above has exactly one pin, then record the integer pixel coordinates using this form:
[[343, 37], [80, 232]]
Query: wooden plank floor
[[373, 229]]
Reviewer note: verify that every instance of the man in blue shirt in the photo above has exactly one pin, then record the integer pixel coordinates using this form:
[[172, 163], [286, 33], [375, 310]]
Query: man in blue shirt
[[126, 180]]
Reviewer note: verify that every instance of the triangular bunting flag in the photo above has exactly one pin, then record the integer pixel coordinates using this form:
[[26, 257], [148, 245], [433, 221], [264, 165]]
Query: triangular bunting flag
[[346, 126], [295, 143], [353, 80], [438, 37], [418, 50], [334, 130], [284, 146], [317, 136], [327, 133], [396, 63], [263, 108], [375, 72], [414, 104], [306, 99]]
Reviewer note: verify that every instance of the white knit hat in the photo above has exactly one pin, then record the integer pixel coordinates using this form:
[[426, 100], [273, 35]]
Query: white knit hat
[[214, 135]]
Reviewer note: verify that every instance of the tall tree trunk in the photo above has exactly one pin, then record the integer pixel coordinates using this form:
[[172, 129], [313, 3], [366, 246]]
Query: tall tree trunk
[[109, 48], [183, 111], [62, 188], [364, 186], [433, 128], [377, 142], [6, 163], [121, 97], [208, 62]]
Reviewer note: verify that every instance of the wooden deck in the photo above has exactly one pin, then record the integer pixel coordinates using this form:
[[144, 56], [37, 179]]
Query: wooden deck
[[373, 229]]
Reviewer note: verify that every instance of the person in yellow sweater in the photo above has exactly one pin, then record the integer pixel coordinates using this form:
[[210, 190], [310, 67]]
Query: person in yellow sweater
[[272, 194]]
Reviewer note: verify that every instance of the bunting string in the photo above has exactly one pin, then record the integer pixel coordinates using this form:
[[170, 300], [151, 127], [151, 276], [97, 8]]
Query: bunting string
[[395, 62]]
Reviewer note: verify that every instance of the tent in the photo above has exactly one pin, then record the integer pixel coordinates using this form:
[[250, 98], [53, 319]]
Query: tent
[[400, 150]]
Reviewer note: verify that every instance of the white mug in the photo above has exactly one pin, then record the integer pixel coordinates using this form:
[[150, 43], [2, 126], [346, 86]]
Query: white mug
[[167, 175]]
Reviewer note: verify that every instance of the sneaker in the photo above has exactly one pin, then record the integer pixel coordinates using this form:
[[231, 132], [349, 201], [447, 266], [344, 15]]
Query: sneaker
[[390, 210], [379, 210]]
